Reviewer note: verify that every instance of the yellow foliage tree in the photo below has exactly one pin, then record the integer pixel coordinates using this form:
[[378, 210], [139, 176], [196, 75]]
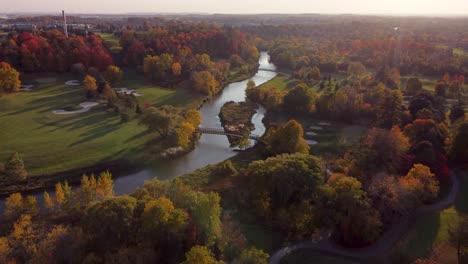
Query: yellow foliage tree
[[176, 69], [90, 86], [9, 78], [113, 74], [14, 205]]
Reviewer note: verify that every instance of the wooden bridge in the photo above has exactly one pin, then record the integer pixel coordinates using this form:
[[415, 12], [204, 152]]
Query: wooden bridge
[[220, 131], [277, 72]]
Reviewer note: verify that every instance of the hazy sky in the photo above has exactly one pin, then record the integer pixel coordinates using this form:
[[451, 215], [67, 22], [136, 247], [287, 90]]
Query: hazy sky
[[241, 6]]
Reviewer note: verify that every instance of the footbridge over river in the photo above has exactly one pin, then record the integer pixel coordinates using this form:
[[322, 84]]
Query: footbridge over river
[[275, 71], [220, 131]]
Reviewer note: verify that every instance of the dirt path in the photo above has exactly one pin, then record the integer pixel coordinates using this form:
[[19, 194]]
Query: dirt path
[[380, 248]]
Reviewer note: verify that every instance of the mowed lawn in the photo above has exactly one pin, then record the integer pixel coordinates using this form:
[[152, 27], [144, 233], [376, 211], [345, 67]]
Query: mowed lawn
[[53, 143], [310, 256], [430, 232]]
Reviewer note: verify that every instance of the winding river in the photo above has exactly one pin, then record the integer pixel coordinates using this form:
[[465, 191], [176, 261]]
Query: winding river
[[211, 149]]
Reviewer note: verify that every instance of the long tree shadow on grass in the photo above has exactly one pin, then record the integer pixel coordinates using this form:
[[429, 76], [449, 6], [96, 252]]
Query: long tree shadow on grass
[[95, 133], [461, 203], [419, 242]]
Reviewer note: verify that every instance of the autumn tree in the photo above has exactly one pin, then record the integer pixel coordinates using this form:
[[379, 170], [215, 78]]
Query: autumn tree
[[193, 117], [287, 138], [252, 256], [14, 168], [63, 194], [176, 69], [48, 202], [9, 79], [90, 86], [421, 182], [204, 82], [30, 205], [14, 206], [22, 239], [161, 214], [113, 75], [200, 255], [183, 133]]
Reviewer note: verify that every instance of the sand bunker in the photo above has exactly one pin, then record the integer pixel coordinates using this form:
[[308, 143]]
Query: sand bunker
[[46, 80], [26, 87], [127, 91], [316, 128], [72, 83], [86, 106], [311, 134], [311, 142], [324, 124]]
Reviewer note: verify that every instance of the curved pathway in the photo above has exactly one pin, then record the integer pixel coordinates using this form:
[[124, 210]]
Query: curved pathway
[[379, 248]]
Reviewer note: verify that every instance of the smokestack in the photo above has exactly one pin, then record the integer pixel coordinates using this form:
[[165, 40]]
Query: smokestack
[[65, 29]]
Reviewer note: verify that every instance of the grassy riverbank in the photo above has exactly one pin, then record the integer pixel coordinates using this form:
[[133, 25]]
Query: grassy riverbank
[[53, 143]]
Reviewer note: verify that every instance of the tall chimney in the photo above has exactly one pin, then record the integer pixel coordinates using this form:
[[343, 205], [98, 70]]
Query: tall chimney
[[65, 29]]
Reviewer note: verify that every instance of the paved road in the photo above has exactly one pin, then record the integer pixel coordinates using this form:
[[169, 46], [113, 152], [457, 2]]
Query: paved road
[[383, 245]]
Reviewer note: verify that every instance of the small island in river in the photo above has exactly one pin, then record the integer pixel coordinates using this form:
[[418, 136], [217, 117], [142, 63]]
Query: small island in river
[[236, 118]]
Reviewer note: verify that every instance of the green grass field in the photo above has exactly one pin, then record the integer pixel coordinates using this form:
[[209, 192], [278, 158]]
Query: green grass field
[[50, 143], [430, 232], [280, 82], [308, 256], [111, 41]]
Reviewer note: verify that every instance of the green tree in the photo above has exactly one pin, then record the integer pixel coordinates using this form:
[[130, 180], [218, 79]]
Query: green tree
[[344, 204], [458, 237], [283, 182], [356, 69], [300, 100], [458, 152], [206, 213], [413, 86], [200, 255], [162, 120], [287, 138], [14, 168], [110, 222]]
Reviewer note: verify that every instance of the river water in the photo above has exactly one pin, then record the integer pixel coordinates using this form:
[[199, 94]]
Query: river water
[[211, 149]]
